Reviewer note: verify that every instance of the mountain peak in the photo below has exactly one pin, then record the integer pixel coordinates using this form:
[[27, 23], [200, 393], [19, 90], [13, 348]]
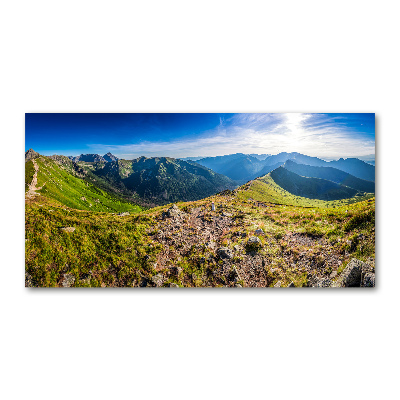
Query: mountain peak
[[30, 154], [110, 157]]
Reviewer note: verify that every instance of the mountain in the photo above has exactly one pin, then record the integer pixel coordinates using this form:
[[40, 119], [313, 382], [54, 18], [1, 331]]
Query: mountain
[[245, 167], [370, 159], [92, 158], [355, 167], [191, 158], [162, 180], [110, 157], [31, 154], [239, 167], [260, 157], [297, 157], [312, 188], [331, 174]]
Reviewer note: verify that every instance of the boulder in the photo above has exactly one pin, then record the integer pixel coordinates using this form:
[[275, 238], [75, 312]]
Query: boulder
[[253, 243], [351, 276], [259, 232], [173, 211], [224, 252]]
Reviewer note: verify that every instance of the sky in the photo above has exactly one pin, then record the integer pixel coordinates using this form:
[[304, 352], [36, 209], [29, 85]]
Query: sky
[[128, 136]]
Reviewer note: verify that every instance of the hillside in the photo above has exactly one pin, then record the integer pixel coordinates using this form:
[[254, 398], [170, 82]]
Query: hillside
[[58, 183], [331, 174], [162, 180], [312, 188]]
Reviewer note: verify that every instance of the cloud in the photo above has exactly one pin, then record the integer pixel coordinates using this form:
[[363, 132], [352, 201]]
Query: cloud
[[312, 134]]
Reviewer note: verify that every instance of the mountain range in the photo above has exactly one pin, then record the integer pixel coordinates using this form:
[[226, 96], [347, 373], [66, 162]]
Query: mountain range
[[244, 167], [162, 180]]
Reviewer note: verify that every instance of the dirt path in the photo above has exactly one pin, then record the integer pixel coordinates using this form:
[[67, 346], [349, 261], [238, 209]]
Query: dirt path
[[31, 193]]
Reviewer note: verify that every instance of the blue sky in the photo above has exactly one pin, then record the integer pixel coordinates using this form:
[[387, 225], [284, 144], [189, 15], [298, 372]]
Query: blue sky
[[129, 136]]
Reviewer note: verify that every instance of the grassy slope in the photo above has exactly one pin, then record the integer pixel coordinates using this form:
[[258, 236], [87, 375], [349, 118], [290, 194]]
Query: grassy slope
[[58, 184], [29, 172], [265, 189]]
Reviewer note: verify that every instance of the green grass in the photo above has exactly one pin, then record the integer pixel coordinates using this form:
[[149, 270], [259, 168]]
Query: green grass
[[58, 184], [266, 190], [29, 172], [112, 250]]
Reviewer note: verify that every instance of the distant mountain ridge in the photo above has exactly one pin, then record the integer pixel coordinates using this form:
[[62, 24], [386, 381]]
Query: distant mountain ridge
[[312, 188], [331, 174], [244, 167]]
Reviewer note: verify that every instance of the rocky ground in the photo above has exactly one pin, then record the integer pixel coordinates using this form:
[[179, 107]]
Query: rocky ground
[[223, 252]]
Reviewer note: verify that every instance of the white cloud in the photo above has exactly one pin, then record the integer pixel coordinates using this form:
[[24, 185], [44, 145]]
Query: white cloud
[[310, 134]]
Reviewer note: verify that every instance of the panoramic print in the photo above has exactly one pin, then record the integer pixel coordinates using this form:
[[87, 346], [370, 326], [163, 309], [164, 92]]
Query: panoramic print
[[200, 200]]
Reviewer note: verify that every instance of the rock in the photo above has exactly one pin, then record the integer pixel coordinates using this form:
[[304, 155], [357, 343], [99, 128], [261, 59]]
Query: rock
[[173, 211], [254, 243], [291, 284], [259, 232], [351, 276], [68, 280], [224, 252], [278, 284], [28, 280], [157, 280], [68, 229], [369, 280], [123, 214]]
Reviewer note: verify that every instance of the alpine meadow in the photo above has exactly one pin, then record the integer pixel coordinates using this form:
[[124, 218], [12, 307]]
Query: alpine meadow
[[200, 200]]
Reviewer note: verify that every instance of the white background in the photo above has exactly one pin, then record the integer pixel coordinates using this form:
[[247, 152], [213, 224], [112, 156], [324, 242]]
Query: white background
[[208, 56]]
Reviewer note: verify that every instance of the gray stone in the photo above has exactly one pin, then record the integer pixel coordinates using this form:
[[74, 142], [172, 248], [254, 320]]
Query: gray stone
[[157, 280], [173, 211], [351, 276], [68, 280], [259, 232], [253, 243], [224, 252], [369, 280]]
